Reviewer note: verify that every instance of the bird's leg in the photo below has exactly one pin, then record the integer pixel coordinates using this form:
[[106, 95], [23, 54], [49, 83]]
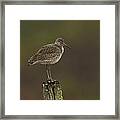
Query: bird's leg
[[48, 72]]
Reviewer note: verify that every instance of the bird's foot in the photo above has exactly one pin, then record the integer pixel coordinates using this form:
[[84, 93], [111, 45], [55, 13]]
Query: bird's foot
[[50, 79]]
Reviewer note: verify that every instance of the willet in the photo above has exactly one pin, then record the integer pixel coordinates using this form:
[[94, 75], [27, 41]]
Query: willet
[[49, 54]]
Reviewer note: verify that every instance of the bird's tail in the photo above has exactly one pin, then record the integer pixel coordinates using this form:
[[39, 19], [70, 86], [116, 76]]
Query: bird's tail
[[33, 60]]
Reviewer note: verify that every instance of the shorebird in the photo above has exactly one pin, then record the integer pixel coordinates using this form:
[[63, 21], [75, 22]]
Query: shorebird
[[49, 54]]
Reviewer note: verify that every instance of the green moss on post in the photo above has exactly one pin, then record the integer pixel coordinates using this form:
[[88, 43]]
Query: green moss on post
[[52, 90]]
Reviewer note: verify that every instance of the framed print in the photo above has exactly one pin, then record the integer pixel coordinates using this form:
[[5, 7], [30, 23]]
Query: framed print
[[60, 59]]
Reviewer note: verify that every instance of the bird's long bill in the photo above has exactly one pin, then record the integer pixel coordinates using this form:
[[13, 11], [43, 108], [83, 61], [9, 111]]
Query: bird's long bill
[[67, 46]]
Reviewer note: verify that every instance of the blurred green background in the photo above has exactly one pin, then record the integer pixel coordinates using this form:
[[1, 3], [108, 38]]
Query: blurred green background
[[79, 69]]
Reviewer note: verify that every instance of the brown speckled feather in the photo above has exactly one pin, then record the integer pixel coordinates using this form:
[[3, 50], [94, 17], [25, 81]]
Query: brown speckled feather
[[47, 52]]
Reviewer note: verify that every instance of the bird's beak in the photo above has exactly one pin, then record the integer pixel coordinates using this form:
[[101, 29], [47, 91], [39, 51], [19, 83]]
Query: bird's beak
[[67, 46]]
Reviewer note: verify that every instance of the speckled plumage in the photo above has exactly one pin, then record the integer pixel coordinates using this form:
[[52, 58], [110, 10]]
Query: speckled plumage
[[48, 54]]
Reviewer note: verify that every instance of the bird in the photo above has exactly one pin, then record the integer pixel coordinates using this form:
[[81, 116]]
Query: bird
[[48, 55]]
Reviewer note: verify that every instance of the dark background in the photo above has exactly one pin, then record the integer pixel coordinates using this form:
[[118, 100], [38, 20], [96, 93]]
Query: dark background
[[79, 69]]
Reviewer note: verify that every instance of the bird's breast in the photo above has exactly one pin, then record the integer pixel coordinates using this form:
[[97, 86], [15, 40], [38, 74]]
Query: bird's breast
[[62, 50]]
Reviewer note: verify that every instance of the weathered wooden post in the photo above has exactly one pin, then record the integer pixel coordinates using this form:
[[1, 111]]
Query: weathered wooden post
[[52, 90]]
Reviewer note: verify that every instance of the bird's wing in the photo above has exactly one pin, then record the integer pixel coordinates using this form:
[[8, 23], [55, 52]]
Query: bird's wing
[[47, 52]]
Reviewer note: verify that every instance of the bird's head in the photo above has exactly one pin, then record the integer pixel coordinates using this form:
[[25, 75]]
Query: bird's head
[[60, 42]]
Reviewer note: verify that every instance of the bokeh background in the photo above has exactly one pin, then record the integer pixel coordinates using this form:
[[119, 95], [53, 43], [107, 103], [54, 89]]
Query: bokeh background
[[79, 69]]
